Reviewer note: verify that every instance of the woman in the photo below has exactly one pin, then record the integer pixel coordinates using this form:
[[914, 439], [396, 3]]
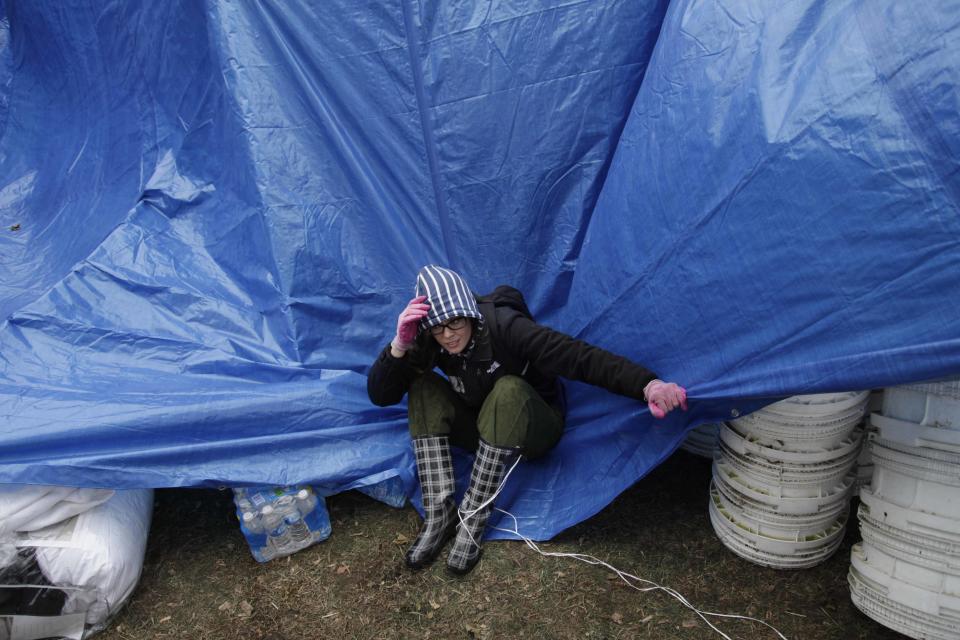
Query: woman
[[501, 397]]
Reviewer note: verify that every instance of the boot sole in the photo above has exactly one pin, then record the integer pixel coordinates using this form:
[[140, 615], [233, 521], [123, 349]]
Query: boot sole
[[462, 572]]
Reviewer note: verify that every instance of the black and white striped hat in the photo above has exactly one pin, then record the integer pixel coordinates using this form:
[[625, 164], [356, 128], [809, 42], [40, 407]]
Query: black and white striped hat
[[447, 294]]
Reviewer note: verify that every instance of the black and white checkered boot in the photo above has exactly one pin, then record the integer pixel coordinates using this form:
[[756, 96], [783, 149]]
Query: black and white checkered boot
[[485, 479], [435, 470]]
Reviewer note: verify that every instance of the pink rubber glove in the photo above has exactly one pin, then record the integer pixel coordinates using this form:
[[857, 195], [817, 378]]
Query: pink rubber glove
[[663, 397], [408, 323]]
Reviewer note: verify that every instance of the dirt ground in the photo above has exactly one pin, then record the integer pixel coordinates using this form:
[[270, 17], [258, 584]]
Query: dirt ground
[[200, 582]]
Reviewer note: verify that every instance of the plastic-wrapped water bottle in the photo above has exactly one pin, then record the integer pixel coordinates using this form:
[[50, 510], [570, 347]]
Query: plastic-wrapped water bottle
[[307, 502], [253, 523], [298, 534], [253, 526], [275, 526]]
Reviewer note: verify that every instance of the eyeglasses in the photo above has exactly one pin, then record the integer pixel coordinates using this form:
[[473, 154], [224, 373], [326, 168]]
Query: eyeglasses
[[454, 325]]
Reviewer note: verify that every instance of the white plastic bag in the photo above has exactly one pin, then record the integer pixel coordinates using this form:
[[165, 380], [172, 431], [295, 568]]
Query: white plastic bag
[[95, 558], [26, 508]]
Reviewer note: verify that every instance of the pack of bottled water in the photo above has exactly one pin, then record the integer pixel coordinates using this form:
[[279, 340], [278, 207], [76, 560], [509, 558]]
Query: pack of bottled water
[[278, 521]]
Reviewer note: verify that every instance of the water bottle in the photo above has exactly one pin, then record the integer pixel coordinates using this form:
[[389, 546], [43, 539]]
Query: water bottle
[[252, 523], [275, 526], [253, 530], [242, 499], [307, 503], [298, 534]]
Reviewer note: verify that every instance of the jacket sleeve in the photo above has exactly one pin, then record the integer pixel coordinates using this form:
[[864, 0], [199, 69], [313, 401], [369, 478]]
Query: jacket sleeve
[[389, 378], [558, 354]]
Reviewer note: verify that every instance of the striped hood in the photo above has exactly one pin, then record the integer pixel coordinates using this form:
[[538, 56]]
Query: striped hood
[[447, 294]]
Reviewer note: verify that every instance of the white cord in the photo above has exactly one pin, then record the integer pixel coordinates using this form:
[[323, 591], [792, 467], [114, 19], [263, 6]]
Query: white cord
[[627, 577], [591, 560], [466, 515]]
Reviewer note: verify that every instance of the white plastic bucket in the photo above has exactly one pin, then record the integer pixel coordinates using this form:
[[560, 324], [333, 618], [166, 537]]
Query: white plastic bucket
[[777, 451], [783, 480], [942, 610], [870, 597], [915, 483], [917, 435], [935, 529], [923, 463], [775, 496], [731, 539], [815, 405], [932, 404], [777, 546], [935, 556], [788, 426], [794, 529], [757, 510]]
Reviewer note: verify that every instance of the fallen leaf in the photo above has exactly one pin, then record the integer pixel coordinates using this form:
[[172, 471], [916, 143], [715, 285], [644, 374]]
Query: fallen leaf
[[689, 623], [646, 619], [401, 539], [342, 569], [225, 606], [245, 609], [164, 619], [434, 604], [617, 617]]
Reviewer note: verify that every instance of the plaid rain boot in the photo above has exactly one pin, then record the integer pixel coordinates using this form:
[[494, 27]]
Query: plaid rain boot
[[435, 470], [485, 479]]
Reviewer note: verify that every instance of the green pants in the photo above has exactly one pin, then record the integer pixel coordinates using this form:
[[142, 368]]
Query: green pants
[[513, 415]]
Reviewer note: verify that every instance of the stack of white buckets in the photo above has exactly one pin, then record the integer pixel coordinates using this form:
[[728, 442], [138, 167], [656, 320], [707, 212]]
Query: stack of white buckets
[[702, 440], [906, 572], [783, 477]]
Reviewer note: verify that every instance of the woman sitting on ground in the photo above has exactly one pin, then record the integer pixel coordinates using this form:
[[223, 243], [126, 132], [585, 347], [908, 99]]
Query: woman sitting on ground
[[501, 397]]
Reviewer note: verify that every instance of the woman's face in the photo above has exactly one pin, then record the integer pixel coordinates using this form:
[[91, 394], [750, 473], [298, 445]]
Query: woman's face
[[454, 335]]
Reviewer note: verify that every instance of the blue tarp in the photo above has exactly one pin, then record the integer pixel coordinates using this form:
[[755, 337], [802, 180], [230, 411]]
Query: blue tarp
[[213, 211]]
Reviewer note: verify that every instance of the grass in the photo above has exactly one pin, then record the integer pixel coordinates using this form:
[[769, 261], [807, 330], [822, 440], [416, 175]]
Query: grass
[[199, 581]]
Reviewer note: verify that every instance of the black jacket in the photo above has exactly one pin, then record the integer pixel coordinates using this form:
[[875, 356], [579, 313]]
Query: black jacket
[[508, 343]]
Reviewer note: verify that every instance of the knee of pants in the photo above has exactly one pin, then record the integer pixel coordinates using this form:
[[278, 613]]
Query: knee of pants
[[505, 417], [511, 389]]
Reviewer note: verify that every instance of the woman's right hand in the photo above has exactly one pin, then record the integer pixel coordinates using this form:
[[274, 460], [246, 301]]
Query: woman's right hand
[[663, 397], [408, 324]]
